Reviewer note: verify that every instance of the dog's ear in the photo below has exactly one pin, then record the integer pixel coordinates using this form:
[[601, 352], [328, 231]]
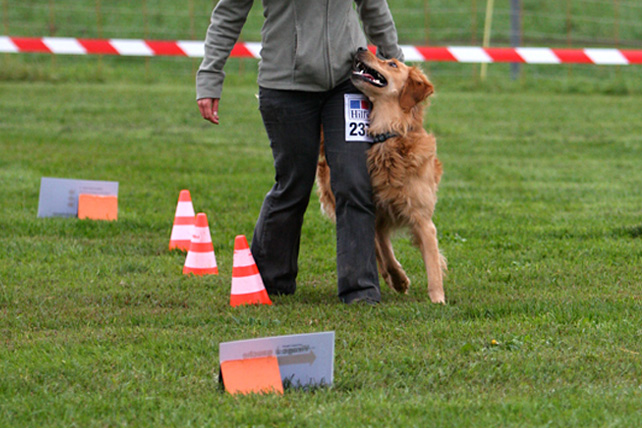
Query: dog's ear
[[416, 89]]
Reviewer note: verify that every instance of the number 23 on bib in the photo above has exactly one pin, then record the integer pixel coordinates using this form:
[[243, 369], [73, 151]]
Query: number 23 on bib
[[357, 112]]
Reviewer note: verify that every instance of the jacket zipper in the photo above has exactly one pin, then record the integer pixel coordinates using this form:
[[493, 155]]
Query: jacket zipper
[[327, 44]]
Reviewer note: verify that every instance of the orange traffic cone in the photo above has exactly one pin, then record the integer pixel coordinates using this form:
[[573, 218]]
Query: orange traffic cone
[[200, 257], [182, 230], [247, 285]]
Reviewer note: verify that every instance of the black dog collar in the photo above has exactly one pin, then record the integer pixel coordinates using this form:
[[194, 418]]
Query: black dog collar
[[380, 138]]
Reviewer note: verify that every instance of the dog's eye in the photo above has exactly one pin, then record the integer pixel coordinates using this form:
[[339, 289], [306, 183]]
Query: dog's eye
[[392, 64]]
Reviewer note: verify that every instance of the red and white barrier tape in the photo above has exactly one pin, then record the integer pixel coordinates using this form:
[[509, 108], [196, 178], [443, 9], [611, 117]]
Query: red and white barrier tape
[[134, 47]]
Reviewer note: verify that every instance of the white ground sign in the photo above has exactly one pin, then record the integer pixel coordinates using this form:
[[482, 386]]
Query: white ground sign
[[304, 359], [59, 196]]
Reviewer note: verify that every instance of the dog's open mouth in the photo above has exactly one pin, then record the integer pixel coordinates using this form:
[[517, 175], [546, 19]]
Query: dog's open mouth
[[367, 74]]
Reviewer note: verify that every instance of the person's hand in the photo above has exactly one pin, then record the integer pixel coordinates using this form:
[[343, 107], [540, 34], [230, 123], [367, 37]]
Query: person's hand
[[209, 109]]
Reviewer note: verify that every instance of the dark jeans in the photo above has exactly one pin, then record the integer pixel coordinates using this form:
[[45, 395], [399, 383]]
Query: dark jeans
[[293, 121]]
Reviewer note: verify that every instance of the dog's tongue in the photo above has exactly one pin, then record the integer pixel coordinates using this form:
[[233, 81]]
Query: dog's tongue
[[365, 75]]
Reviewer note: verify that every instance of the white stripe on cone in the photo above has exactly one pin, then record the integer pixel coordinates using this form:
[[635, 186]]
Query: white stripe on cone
[[196, 260], [243, 258], [247, 285], [184, 209], [182, 232], [202, 235]]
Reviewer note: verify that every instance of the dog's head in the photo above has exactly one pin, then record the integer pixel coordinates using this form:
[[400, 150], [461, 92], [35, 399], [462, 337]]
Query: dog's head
[[379, 79]]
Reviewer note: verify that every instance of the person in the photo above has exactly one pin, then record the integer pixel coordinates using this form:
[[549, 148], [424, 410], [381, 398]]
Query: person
[[304, 75]]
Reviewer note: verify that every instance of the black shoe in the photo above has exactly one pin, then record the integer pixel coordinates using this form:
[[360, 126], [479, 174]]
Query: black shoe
[[363, 300], [272, 292]]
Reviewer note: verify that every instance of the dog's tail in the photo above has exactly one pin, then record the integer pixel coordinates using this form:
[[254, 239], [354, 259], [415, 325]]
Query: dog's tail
[[326, 197]]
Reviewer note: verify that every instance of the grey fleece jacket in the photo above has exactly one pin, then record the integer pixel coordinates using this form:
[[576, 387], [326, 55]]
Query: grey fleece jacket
[[307, 45]]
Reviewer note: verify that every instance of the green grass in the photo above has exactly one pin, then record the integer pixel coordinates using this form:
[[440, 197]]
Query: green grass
[[540, 217]]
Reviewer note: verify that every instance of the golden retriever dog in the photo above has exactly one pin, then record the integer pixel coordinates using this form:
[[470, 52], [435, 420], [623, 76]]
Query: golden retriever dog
[[403, 166]]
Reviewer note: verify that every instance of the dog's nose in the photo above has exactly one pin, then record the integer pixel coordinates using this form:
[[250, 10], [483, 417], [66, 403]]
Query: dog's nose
[[361, 49]]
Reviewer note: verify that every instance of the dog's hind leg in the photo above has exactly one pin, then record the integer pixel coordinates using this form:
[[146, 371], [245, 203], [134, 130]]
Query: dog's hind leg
[[426, 238], [389, 267]]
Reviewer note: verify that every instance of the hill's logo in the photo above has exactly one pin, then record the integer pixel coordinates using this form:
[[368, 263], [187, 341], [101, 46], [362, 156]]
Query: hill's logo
[[359, 109]]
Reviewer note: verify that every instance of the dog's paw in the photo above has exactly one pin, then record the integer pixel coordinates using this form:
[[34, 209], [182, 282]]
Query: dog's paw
[[398, 281], [437, 297]]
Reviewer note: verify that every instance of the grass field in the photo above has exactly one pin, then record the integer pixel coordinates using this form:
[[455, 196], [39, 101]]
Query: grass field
[[540, 217]]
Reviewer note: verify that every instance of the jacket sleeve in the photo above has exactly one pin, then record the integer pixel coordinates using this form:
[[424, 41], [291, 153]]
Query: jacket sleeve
[[380, 27], [228, 18]]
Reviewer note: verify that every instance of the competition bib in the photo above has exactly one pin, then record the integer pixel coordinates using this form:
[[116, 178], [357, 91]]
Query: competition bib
[[357, 111]]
